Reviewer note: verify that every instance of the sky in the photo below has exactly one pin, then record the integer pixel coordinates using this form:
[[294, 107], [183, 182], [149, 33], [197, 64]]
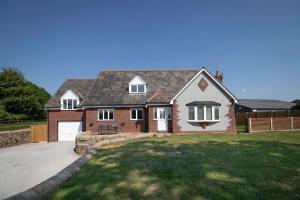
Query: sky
[[255, 43]]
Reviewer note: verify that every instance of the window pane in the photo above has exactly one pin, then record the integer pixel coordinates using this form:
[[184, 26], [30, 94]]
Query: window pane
[[208, 113], [64, 104], [140, 114], [74, 103], [191, 113], [162, 114], [133, 114], [155, 113], [217, 113], [105, 114], [69, 103], [100, 114], [133, 88], [141, 88], [111, 114], [200, 112]]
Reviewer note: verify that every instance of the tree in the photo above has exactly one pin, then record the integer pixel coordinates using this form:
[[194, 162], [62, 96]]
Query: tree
[[296, 107], [20, 98]]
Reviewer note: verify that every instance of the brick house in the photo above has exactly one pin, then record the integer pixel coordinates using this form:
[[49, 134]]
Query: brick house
[[173, 101]]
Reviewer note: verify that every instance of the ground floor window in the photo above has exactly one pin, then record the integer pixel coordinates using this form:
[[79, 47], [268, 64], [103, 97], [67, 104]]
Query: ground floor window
[[136, 114], [204, 113], [105, 114]]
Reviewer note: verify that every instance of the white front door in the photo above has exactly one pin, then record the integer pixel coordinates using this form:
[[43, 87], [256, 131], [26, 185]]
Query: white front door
[[162, 119], [67, 131]]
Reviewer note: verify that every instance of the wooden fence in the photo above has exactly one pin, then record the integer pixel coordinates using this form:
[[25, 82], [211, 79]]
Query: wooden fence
[[273, 124], [39, 133], [241, 118]]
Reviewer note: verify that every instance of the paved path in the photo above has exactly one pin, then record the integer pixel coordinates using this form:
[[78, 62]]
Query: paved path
[[24, 166]]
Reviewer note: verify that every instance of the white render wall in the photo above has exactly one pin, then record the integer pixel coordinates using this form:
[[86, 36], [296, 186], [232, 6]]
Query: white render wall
[[213, 92]]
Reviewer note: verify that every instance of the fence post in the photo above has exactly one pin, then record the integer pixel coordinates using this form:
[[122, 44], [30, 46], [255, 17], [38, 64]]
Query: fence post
[[271, 124], [249, 125], [292, 123]]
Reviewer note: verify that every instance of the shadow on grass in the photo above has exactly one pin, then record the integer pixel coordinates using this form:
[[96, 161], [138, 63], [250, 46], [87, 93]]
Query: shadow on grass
[[170, 168]]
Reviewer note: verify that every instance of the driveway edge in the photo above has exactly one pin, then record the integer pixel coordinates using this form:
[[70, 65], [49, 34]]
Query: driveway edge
[[37, 192], [40, 190]]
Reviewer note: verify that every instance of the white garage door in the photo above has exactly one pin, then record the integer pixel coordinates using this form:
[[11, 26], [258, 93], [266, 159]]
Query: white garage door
[[67, 131]]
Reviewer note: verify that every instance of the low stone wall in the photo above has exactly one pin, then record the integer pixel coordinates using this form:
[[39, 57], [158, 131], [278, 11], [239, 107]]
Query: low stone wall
[[86, 140], [13, 138]]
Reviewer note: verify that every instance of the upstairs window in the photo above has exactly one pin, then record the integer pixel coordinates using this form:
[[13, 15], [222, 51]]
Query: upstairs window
[[69, 101], [69, 104], [137, 88], [137, 85]]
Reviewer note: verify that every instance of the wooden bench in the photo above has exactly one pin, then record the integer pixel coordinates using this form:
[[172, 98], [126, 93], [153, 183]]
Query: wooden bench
[[109, 128]]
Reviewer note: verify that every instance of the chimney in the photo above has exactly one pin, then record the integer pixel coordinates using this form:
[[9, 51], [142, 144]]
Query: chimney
[[219, 76]]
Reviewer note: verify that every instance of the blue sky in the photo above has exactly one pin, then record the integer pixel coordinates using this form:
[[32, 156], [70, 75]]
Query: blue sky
[[255, 43]]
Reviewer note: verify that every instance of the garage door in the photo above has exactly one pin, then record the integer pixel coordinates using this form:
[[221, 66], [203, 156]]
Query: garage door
[[67, 131]]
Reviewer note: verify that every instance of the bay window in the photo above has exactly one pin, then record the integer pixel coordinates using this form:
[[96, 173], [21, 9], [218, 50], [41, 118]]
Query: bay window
[[204, 113], [105, 114]]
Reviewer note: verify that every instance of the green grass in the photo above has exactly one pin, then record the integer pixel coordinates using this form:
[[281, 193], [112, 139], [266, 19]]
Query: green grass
[[241, 128], [245, 166], [17, 126]]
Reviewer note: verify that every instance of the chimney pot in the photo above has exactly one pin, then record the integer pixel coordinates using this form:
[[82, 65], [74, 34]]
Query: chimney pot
[[219, 76]]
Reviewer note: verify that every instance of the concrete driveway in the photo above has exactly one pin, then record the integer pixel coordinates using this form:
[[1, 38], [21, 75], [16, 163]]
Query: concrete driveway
[[24, 166]]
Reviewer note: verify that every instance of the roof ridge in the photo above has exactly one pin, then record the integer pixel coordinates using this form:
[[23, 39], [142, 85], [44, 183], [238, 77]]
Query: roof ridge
[[81, 79], [151, 70]]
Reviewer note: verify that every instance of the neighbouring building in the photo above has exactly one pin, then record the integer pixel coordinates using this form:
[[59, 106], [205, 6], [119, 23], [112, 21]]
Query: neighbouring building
[[171, 101], [262, 105]]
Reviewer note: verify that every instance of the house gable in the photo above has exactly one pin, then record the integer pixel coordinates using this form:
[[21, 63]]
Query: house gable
[[212, 92], [204, 71]]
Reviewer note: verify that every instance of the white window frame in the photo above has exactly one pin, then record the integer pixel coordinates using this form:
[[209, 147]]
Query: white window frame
[[136, 81], [136, 114], [137, 89], [204, 112], [103, 110], [72, 104], [169, 111]]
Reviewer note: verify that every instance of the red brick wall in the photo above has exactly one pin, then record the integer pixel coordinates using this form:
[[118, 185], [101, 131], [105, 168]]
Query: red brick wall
[[153, 122], [121, 115], [58, 115]]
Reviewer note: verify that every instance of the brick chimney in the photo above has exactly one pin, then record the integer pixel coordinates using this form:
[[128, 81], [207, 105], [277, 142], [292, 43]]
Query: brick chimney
[[219, 76]]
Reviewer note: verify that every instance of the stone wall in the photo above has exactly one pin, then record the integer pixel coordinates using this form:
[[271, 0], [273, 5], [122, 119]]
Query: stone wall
[[13, 138]]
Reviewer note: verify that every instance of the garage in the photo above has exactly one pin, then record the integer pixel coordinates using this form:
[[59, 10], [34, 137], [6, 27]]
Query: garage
[[67, 131]]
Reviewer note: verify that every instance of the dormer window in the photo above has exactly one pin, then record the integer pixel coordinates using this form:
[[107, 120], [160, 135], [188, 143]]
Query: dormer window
[[69, 101], [137, 86]]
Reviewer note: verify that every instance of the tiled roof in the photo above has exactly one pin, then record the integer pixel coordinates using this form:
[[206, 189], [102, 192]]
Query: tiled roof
[[111, 87], [80, 87], [265, 104]]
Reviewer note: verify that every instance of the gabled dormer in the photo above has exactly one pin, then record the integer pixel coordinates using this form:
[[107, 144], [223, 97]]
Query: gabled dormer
[[137, 86], [69, 101]]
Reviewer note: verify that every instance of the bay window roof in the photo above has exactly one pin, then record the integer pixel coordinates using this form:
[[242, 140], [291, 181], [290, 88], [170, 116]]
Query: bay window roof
[[203, 103]]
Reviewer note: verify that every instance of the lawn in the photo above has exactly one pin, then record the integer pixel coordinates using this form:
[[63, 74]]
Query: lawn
[[245, 166]]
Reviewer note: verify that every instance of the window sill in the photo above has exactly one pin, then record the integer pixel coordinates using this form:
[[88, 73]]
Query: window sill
[[105, 120], [157, 119], [136, 119], [67, 109], [204, 120]]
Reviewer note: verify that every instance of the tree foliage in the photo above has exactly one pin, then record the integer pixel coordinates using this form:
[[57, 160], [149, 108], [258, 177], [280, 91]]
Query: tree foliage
[[296, 107], [20, 98]]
